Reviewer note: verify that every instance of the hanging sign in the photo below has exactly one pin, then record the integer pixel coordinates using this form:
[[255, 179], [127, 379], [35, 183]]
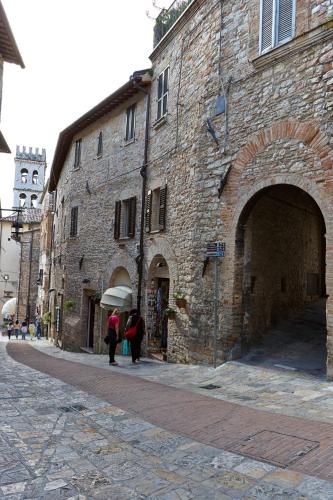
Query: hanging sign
[[215, 249]]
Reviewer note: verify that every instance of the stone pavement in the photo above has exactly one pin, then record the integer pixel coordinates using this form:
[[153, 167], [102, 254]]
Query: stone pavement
[[270, 388], [62, 442]]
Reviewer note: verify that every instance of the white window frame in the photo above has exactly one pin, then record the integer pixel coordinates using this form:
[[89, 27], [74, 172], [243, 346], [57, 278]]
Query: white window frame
[[275, 28], [165, 93]]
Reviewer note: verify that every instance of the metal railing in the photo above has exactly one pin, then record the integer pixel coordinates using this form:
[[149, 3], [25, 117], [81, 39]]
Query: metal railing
[[167, 18]]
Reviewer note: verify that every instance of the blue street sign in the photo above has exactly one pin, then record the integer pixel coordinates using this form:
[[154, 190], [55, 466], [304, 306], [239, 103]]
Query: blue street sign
[[215, 249]]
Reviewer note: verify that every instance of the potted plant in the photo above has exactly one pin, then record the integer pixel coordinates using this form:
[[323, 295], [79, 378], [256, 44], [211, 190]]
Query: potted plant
[[69, 304], [169, 313], [46, 318], [179, 299]]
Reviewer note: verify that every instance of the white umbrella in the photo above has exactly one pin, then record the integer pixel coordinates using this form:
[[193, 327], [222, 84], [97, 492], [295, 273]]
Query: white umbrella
[[118, 296], [9, 308]]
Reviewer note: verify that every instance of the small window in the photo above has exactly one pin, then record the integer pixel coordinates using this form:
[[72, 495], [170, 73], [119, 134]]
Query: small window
[[125, 216], [156, 209], [33, 202], [77, 158], [100, 145], [130, 123], [162, 94], [35, 177], [74, 219], [277, 23], [23, 199], [24, 175]]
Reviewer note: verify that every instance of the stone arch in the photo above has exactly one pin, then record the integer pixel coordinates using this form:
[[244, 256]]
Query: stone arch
[[307, 133], [163, 248], [123, 262], [236, 248]]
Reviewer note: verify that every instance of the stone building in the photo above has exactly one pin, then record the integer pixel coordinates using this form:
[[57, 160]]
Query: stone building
[[9, 262], [240, 152], [25, 230], [98, 213], [44, 272], [244, 144], [9, 53], [30, 167]]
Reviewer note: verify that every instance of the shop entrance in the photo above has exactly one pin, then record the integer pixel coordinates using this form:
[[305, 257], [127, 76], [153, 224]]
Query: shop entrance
[[158, 301], [91, 322]]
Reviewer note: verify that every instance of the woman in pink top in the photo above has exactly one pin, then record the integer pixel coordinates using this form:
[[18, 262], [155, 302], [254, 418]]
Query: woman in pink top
[[113, 334]]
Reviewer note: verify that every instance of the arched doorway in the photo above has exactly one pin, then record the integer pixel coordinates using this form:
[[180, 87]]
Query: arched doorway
[[280, 275], [157, 301]]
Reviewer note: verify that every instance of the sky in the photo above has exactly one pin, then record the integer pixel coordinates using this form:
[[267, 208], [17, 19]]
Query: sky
[[76, 53]]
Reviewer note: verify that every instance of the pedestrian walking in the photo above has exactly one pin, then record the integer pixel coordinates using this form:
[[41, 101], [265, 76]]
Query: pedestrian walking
[[17, 328], [38, 328], [113, 336], [134, 332], [10, 327], [24, 329]]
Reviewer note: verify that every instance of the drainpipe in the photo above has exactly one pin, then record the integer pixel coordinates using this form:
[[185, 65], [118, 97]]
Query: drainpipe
[[143, 173]]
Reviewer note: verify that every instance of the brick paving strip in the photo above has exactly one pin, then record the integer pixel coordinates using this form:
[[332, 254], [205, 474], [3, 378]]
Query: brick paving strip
[[214, 422]]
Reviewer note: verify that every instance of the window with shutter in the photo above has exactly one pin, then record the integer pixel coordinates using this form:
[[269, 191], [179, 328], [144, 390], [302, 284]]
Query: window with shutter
[[162, 212], [277, 23], [117, 220], [148, 211], [130, 123], [74, 219], [131, 217], [77, 157], [162, 93], [100, 145]]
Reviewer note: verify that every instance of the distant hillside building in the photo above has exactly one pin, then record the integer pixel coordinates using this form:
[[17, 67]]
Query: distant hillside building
[[29, 180]]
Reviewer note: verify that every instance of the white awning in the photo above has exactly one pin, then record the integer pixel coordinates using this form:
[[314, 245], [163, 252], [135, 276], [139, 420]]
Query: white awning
[[118, 296], [9, 308]]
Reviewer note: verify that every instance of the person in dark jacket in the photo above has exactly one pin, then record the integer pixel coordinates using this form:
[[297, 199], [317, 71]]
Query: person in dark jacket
[[135, 320]]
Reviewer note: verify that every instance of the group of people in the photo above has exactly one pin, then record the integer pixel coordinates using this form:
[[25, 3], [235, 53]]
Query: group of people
[[137, 326], [23, 328]]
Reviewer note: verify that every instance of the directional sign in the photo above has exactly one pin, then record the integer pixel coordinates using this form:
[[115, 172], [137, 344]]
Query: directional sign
[[215, 249]]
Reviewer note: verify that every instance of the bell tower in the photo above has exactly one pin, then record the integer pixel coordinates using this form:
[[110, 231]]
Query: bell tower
[[29, 177]]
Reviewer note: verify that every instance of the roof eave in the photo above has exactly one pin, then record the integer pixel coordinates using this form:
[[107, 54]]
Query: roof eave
[[14, 55]]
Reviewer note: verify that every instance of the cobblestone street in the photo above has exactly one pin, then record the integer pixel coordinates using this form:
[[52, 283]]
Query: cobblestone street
[[61, 442]]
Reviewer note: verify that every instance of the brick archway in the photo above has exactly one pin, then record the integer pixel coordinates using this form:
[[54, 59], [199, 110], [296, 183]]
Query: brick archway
[[308, 133]]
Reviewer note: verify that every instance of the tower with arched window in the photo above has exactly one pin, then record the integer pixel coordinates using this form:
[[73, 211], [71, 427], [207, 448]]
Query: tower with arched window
[[30, 169]]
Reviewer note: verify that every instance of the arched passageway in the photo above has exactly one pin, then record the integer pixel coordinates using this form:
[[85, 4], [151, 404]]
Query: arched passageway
[[280, 273]]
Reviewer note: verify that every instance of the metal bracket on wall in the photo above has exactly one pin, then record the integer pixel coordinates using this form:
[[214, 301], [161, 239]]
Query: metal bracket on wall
[[211, 130], [223, 181]]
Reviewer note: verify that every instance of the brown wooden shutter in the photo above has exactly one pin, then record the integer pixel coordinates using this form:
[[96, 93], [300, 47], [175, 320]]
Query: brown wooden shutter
[[148, 211], [162, 214], [131, 217], [117, 220]]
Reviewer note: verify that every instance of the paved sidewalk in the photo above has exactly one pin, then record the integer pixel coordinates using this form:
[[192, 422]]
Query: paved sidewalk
[[302, 446], [273, 389], [57, 442]]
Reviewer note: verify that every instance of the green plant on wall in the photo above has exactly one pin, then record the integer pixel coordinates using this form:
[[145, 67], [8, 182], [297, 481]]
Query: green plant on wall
[[178, 295], [167, 19], [69, 304], [46, 318]]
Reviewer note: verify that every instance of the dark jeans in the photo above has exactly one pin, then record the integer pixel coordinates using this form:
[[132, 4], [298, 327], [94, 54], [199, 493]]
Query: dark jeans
[[136, 347], [112, 344]]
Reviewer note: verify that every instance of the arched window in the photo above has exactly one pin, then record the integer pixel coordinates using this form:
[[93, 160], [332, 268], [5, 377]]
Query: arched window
[[33, 201], [22, 200], [35, 177], [24, 175]]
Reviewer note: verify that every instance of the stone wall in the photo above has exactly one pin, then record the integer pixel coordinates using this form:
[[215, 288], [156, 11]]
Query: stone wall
[[84, 265], [29, 268], [277, 129]]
